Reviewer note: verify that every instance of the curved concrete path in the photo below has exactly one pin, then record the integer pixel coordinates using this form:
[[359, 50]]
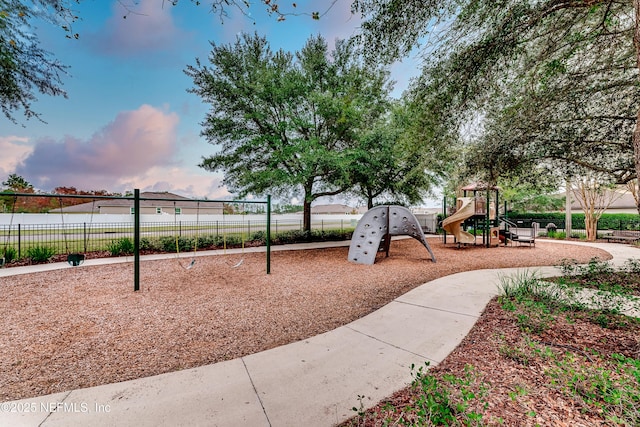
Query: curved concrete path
[[314, 382]]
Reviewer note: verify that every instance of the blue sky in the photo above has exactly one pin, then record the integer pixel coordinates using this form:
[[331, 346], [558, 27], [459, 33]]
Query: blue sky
[[128, 121]]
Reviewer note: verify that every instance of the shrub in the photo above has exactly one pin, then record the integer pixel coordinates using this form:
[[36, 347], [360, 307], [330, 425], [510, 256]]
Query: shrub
[[10, 254], [292, 236], [40, 253], [209, 241], [184, 244], [122, 246], [147, 244], [259, 237], [231, 240]]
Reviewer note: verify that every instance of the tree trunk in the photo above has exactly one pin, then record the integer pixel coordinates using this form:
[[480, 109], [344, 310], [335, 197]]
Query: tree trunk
[[591, 224], [636, 132], [636, 157], [567, 215], [306, 215]]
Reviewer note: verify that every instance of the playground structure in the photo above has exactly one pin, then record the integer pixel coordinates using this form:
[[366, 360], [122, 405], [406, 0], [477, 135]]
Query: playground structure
[[478, 209], [375, 228]]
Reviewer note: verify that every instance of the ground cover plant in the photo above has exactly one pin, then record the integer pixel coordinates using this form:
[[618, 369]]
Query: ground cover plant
[[535, 357]]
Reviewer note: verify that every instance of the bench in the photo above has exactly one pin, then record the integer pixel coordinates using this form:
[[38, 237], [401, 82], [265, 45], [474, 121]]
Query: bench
[[525, 236], [622, 236]]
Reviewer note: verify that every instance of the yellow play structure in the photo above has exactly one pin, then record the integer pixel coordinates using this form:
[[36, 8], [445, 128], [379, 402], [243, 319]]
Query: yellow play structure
[[478, 212], [453, 224]]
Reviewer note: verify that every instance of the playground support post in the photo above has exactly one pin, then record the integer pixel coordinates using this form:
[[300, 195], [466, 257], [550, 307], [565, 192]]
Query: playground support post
[[268, 234], [136, 240], [444, 215], [487, 226]]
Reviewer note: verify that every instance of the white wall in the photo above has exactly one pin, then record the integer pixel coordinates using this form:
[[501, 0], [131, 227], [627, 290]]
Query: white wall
[[28, 218]]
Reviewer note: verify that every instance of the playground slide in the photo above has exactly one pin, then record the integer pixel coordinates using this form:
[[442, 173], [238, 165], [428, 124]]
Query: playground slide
[[452, 223]]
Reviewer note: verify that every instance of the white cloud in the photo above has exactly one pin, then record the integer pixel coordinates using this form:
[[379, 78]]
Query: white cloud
[[132, 144], [14, 150]]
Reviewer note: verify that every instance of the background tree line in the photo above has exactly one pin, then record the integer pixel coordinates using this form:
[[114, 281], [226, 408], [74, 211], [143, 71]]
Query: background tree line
[[17, 184]]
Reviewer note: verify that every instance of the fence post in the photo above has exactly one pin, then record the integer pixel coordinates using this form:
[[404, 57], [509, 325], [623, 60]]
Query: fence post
[[84, 224], [19, 240]]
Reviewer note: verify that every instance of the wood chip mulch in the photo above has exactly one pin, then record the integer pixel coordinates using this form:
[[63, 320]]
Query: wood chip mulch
[[84, 326]]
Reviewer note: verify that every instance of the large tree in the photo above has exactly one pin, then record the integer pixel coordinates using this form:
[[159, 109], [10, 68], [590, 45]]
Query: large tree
[[398, 159], [285, 123], [595, 196], [552, 84]]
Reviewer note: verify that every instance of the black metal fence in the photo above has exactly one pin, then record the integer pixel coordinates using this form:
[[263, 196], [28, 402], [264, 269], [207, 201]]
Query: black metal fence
[[117, 238], [577, 225]]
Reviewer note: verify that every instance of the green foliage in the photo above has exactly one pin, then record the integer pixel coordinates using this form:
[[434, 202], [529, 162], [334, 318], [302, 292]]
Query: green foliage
[[520, 285], [147, 244], [209, 241], [442, 400], [611, 386], [17, 184], [531, 197], [171, 244], [608, 386], [301, 236], [233, 240], [25, 67], [555, 88], [282, 209], [291, 236], [392, 163], [320, 103], [122, 246], [40, 253], [560, 235], [259, 237], [9, 254]]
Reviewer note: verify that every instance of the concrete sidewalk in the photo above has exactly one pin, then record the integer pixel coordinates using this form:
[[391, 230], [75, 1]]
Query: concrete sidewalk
[[314, 382]]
